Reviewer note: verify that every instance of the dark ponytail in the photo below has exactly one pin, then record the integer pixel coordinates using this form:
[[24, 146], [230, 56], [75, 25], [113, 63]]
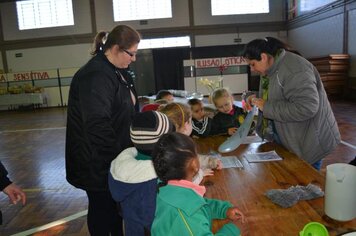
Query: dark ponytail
[[99, 42], [122, 35], [170, 156], [268, 45]]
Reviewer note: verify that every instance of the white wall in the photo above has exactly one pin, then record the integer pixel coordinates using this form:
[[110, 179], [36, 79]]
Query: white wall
[[352, 43], [77, 54], [228, 39], [82, 23], [1, 65], [202, 16], [323, 37], [319, 38], [48, 57]]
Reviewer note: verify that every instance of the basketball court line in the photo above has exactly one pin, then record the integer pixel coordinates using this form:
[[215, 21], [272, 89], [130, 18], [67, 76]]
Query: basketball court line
[[348, 144], [52, 224], [29, 130]]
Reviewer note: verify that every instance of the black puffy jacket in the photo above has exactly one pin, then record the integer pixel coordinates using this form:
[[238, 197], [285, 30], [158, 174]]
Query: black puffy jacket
[[100, 110]]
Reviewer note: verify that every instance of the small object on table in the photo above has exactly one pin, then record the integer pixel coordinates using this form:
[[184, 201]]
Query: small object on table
[[314, 229], [288, 197]]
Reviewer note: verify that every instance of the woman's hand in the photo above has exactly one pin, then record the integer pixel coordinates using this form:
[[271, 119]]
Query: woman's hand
[[247, 106], [258, 102], [233, 213]]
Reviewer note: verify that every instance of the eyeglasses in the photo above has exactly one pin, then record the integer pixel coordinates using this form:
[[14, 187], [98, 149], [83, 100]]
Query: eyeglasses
[[131, 54]]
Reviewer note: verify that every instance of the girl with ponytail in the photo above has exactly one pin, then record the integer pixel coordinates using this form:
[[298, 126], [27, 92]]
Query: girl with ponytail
[[181, 207]]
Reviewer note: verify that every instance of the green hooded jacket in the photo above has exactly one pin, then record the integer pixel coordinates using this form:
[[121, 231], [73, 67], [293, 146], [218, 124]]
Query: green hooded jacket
[[181, 211]]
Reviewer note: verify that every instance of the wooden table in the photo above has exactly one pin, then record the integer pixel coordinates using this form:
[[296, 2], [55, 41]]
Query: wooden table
[[245, 188]]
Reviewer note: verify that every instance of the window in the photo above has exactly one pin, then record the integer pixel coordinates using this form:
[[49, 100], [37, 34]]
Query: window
[[125, 10], [234, 7], [164, 42], [311, 5], [34, 14]]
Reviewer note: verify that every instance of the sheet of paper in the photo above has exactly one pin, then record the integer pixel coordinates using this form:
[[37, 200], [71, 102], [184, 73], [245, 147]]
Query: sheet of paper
[[231, 162], [263, 156], [252, 139]]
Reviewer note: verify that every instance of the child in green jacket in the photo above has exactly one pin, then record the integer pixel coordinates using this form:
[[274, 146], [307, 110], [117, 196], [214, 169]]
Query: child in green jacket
[[181, 208]]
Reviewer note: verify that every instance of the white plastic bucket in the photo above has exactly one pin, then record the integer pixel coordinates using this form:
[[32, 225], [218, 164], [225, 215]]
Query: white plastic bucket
[[340, 192]]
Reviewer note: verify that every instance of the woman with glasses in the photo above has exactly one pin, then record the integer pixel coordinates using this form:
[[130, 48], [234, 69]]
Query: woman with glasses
[[102, 102], [293, 107]]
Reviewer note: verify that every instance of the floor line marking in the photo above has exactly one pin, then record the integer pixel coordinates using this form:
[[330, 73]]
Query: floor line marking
[[348, 144], [28, 130], [45, 189], [52, 224]]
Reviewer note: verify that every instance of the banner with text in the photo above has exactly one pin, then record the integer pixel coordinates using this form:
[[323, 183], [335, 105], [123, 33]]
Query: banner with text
[[219, 62], [32, 75]]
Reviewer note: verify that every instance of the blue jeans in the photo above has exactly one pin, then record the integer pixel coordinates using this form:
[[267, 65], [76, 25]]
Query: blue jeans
[[317, 165], [138, 204]]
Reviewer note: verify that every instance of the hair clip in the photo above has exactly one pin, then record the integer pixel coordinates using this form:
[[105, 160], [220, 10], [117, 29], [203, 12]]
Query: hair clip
[[105, 38], [181, 109]]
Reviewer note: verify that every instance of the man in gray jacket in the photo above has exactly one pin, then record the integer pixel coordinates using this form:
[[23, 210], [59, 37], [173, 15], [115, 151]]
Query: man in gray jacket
[[294, 108]]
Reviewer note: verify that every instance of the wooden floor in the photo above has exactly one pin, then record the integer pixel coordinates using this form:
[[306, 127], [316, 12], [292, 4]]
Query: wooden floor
[[32, 149]]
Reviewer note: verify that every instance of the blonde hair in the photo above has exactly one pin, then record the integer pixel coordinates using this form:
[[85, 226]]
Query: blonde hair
[[178, 113], [219, 93], [161, 101]]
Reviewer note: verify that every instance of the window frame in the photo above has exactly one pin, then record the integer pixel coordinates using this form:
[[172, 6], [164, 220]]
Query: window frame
[[147, 11], [55, 16], [217, 7], [166, 42]]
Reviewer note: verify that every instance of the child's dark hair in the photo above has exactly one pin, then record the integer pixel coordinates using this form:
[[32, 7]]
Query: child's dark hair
[[170, 156], [162, 93], [194, 101], [268, 45]]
